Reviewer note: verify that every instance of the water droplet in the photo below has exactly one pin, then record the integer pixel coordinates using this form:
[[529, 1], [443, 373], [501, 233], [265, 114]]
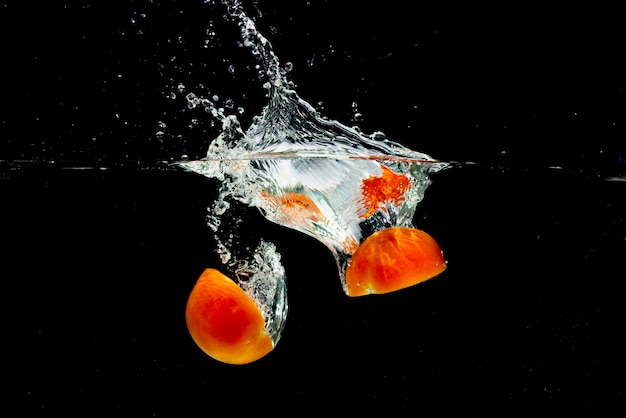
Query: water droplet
[[192, 101], [220, 207]]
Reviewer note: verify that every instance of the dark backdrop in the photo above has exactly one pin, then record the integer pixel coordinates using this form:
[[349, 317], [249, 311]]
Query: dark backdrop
[[104, 239]]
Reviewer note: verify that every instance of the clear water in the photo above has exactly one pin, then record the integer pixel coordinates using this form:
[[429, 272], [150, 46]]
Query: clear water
[[314, 175], [302, 171]]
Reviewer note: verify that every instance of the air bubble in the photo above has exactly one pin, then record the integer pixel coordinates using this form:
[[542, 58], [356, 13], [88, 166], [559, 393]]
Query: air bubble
[[192, 100]]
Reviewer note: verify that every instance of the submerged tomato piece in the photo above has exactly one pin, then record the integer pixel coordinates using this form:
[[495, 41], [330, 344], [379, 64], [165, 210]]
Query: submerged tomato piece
[[389, 187], [300, 208], [225, 322], [393, 259]]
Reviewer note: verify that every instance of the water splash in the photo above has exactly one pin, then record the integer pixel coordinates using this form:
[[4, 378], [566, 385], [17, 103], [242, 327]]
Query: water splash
[[308, 173], [301, 170]]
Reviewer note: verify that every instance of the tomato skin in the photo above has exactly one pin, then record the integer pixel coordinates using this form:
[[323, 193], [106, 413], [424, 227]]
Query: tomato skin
[[393, 259], [225, 322]]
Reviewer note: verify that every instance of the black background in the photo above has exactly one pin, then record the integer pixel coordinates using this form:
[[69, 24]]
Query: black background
[[104, 239]]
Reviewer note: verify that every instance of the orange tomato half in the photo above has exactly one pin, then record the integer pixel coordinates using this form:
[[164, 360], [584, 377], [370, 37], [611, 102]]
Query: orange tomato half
[[225, 322], [393, 259]]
